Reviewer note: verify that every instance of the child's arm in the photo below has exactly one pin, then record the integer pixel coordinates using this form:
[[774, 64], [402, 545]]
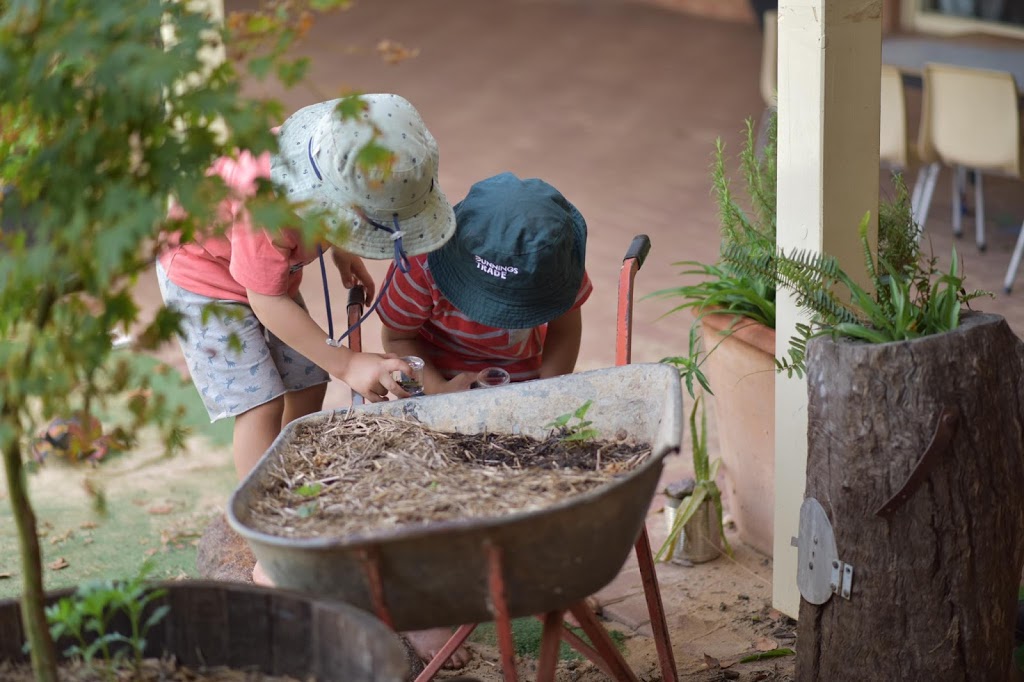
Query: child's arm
[[368, 374], [407, 343], [562, 344]]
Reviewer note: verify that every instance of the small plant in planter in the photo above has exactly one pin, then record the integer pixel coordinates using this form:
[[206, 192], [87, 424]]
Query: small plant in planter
[[908, 299], [744, 295], [705, 493]]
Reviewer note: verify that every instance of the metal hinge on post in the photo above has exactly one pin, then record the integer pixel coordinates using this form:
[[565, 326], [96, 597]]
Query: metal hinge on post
[[842, 578], [820, 571]]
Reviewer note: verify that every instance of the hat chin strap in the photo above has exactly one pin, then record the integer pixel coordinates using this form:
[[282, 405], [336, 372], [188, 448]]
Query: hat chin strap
[[401, 263]]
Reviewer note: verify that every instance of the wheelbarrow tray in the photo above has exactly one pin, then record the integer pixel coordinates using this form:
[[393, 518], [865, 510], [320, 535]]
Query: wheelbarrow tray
[[437, 574]]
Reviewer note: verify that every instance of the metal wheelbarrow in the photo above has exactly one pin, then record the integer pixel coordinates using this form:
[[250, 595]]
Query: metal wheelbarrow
[[495, 569]]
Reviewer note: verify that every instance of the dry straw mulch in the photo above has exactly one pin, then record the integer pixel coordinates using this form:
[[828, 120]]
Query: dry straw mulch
[[361, 473]]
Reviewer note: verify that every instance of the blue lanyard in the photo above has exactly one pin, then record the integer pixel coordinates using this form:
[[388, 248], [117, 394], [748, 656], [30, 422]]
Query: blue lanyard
[[401, 263]]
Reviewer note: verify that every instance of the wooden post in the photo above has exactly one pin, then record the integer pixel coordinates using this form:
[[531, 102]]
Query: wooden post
[[829, 93], [935, 578]]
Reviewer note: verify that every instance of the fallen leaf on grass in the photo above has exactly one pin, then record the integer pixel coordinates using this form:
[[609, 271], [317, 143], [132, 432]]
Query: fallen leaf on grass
[[766, 644], [60, 563], [88, 525], [161, 509], [4, 576], [66, 535], [775, 653]]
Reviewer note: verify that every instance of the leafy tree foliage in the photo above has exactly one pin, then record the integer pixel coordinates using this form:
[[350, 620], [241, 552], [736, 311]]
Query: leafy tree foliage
[[107, 111]]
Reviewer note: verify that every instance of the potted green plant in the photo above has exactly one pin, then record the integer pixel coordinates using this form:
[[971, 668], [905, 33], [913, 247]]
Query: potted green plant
[[697, 533], [731, 341]]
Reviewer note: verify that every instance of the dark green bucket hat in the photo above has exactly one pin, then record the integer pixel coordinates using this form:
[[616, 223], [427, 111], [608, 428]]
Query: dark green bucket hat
[[517, 258]]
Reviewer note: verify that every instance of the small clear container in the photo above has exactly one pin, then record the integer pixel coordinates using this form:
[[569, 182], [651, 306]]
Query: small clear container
[[412, 383], [491, 377]]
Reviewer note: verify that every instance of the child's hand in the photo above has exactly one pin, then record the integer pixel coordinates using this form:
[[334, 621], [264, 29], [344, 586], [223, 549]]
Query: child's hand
[[353, 271], [369, 375], [460, 382]]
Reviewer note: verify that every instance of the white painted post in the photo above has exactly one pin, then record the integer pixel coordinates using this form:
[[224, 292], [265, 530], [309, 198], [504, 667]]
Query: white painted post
[[828, 142]]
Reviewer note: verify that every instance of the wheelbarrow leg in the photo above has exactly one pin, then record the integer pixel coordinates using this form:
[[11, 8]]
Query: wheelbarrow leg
[[550, 643], [436, 663], [655, 607], [502, 622], [615, 665], [631, 264]]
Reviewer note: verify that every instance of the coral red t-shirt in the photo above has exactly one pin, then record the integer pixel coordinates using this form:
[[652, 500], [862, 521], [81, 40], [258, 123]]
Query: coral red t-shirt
[[456, 343], [223, 267]]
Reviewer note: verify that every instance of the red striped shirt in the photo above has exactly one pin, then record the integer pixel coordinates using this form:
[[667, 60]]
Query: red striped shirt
[[456, 343]]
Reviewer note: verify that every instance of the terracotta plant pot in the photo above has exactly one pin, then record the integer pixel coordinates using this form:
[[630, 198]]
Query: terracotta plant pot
[[245, 627], [740, 367]]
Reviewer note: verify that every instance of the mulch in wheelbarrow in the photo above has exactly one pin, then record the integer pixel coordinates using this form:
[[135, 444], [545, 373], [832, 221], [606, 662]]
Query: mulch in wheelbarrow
[[364, 472]]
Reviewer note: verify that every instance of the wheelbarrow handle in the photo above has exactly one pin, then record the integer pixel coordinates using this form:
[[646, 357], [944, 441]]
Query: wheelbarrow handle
[[356, 296], [634, 258], [353, 312], [638, 250]]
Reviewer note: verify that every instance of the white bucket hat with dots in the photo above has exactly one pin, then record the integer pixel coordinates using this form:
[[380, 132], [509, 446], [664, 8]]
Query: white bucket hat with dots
[[317, 164]]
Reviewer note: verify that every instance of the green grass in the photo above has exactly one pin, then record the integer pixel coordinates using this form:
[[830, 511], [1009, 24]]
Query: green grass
[[153, 506], [527, 633]]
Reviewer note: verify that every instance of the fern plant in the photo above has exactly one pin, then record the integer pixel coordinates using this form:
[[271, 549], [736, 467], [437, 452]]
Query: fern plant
[[906, 299], [746, 277]]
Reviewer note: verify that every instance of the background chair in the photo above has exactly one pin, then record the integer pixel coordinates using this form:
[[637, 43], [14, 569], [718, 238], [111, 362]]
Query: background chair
[[970, 118], [895, 150]]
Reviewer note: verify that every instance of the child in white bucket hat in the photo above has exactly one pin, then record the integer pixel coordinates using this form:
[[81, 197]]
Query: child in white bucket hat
[[280, 368]]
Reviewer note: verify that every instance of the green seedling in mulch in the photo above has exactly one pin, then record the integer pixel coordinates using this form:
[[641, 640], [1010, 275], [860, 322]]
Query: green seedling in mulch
[[309, 489], [574, 426], [308, 509], [86, 616]]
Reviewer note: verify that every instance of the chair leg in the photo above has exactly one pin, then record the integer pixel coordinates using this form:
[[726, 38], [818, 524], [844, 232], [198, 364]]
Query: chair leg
[[915, 194], [959, 181], [1018, 251], [931, 175], [979, 212]]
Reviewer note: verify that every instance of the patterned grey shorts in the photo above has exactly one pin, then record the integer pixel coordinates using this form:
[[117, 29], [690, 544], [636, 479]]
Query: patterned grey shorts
[[234, 380]]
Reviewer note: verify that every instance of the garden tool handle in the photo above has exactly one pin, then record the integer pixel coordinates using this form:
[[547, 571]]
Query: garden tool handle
[[631, 262], [638, 250], [354, 311]]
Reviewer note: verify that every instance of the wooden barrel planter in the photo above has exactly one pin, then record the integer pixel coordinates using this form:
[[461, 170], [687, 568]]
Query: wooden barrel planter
[[916, 456], [250, 628]]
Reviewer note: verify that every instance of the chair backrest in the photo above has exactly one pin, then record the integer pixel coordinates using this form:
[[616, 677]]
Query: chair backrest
[[969, 117], [770, 58], [893, 147]]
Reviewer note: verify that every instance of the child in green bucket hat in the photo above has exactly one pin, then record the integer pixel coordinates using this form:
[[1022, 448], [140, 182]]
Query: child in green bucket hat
[[505, 291]]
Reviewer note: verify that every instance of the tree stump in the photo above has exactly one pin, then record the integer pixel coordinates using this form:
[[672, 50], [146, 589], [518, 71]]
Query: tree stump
[[935, 581]]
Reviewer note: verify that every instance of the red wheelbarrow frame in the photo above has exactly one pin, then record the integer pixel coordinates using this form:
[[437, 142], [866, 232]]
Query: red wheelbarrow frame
[[602, 651]]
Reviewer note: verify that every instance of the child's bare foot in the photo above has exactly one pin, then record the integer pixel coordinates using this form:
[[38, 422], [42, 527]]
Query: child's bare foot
[[426, 644], [260, 577]]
